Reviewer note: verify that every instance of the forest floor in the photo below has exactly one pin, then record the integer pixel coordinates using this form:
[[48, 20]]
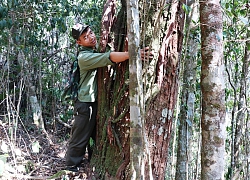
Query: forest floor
[[30, 154]]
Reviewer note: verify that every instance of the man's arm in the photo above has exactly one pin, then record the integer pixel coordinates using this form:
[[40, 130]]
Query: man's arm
[[123, 56], [118, 56]]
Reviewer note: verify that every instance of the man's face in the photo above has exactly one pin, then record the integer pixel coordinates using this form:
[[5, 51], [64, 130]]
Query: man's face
[[87, 39]]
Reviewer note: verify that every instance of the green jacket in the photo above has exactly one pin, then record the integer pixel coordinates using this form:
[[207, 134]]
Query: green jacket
[[89, 61]]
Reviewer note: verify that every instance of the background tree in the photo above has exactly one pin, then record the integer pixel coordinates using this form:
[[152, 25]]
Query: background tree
[[213, 91], [236, 35], [186, 120]]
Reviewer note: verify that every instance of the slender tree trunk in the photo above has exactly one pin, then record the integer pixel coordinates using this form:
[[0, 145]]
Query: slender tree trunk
[[187, 104], [29, 71], [247, 133], [213, 95], [241, 143], [136, 93]]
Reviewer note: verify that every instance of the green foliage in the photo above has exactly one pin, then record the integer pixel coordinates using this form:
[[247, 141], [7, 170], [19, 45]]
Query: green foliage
[[186, 8], [36, 48], [235, 31], [42, 32], [67, 115]]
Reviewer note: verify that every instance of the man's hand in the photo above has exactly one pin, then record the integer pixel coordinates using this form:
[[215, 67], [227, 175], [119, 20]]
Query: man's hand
[[146, 54]]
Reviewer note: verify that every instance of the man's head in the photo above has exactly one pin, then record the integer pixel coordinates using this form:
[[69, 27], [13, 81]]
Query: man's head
[[78, 29], [83, 35]]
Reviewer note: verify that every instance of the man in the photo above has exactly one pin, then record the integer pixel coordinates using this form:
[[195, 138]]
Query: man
[[85, 107]]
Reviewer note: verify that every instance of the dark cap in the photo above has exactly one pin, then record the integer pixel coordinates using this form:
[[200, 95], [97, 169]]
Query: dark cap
[[78, 29]]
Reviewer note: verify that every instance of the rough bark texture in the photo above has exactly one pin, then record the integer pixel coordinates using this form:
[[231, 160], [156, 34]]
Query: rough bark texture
[[241, 143], [160, 111], [111, 157], [213, 95], [247, 133]]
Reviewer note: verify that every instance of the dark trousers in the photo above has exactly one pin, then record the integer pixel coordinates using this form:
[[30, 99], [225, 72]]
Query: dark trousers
[[83, 128]]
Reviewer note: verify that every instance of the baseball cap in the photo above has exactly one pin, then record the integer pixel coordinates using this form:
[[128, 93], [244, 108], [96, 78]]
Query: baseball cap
[[78, 29]]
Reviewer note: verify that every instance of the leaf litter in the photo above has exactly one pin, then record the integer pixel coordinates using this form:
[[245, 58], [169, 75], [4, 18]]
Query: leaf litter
[[30, 155]]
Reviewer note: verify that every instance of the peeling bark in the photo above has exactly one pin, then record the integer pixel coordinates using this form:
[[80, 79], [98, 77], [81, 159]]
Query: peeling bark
[[161, 109], [111, 156]]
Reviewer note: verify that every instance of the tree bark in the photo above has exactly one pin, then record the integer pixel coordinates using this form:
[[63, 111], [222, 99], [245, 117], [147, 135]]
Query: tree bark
[[213, 95], [241, 143], [136, 93], [187, 108], [111, 156], [161, 104]]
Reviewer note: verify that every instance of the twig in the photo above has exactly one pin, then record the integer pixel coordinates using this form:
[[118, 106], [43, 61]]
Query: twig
[[61, 122]]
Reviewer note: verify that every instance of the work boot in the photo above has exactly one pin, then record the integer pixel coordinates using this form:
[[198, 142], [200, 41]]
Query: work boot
[[72, 168]]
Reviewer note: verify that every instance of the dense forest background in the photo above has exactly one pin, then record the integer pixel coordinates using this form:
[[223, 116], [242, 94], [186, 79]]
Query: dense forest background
[[36, 51]]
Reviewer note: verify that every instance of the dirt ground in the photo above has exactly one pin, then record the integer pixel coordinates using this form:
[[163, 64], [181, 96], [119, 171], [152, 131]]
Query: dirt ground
[[30, 154]]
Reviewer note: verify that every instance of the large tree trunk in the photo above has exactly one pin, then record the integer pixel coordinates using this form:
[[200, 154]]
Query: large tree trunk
[[166, 25], [160, 97], [111, 157], [213, 91]]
